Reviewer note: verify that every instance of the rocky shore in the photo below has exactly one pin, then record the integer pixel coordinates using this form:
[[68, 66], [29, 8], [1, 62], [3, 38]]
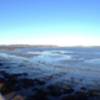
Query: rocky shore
[[12, 87]]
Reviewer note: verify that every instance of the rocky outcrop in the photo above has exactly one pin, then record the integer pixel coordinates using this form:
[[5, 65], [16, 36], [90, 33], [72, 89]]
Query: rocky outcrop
[[14, 88]]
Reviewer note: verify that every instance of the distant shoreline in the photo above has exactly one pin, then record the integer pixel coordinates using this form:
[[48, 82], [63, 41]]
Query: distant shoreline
[[14, 46]]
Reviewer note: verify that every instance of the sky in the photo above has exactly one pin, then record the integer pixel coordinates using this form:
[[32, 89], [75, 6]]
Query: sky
[[53, 22]]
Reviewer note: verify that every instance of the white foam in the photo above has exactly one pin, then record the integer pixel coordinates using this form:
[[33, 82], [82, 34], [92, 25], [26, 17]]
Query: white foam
[[12, 58], [51, 56], [33, 52]]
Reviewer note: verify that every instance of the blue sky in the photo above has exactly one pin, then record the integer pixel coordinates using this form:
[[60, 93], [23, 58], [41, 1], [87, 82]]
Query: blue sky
[[56, 22]]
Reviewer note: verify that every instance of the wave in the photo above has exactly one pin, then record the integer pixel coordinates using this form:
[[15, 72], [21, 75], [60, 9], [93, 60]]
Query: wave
[[93, 61]]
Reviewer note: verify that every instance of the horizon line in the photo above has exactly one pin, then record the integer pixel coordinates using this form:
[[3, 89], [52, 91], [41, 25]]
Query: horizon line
[[51, 45]]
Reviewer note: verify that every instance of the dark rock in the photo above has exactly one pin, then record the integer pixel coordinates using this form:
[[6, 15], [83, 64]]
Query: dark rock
[[25, 83], [67, 89], [54, 90], [18, 97], [77, 96], [10, 95], [38, 82], [1, 85], [57, 90], [94, 92], [40, 95], [9, 85]]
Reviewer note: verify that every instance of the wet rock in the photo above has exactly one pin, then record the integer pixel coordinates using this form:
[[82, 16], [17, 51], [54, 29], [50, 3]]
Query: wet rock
[[77, 96], [13, 84], [40, 95], [94, 92], [25, 83], [9, 96], [1, 85], [6, 89], [38, 82], [67, 89], [18, 97], [3, 88], [29, 83], [56, 90], [8, 85]]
